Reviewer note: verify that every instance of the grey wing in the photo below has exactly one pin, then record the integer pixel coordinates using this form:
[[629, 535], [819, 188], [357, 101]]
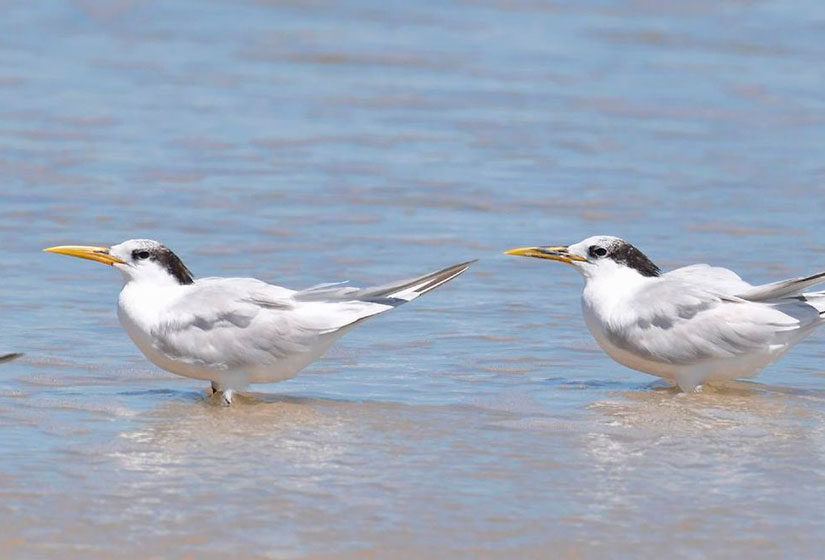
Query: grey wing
[[393, 294], [233, 323], [676, 322], [783, 288], [726, 281]]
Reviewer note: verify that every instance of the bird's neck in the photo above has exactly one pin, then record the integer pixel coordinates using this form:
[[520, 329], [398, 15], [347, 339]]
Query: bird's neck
[[604, 292], [144, 303], [150, 277]]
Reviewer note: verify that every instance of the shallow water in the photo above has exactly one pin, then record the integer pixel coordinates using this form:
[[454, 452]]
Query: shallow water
[[305, 142]]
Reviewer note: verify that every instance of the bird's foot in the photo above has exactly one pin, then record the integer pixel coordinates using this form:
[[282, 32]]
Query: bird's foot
[[691, 382], [226, 397], [691, 390], [223, 395]]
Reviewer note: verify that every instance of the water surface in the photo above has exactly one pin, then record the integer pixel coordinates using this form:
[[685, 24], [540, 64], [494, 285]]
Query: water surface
[[307, 142]]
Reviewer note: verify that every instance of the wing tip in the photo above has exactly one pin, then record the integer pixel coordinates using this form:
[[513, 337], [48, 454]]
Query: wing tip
[[436, 279], [10, 357]]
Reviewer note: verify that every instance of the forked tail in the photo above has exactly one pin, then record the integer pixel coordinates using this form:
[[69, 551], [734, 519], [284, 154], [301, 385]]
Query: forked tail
[[815, 300]]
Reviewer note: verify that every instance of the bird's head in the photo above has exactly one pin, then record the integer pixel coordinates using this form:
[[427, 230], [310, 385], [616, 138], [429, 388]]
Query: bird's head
[[595, 256], [137, 259]]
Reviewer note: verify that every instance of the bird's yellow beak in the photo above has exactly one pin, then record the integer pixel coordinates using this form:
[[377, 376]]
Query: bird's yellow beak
[[553, 253], [99, 254]]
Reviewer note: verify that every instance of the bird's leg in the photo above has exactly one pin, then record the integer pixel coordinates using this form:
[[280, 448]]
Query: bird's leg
[[691, 381], [689, 386], [225, 395]]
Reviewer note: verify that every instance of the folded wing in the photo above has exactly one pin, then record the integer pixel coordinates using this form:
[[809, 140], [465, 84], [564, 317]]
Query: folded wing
[[783, 288], [678, 322], [393, 294], [723, 280]]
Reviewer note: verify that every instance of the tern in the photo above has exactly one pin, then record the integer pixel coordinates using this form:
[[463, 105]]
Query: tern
[[236, 331], [693, 325]]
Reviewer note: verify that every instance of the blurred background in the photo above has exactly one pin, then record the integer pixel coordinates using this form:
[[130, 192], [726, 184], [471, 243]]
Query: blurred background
[[315, 141]]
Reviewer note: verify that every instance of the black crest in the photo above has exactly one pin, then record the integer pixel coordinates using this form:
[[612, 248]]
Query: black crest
[[625, 253], [168, 260]]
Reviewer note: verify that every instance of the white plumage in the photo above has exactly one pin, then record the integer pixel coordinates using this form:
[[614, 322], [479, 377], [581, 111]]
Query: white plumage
[[692, 325], [237, 331]]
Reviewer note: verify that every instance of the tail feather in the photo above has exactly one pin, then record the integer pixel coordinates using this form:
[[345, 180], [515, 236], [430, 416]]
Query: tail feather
[[814, 299]]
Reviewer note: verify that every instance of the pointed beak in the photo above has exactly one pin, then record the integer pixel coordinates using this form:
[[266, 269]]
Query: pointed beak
[[560, 254], [98, 254]]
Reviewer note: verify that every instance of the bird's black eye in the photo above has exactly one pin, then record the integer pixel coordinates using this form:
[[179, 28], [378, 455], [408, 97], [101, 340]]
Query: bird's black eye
[[141, 255], [597, 252]]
